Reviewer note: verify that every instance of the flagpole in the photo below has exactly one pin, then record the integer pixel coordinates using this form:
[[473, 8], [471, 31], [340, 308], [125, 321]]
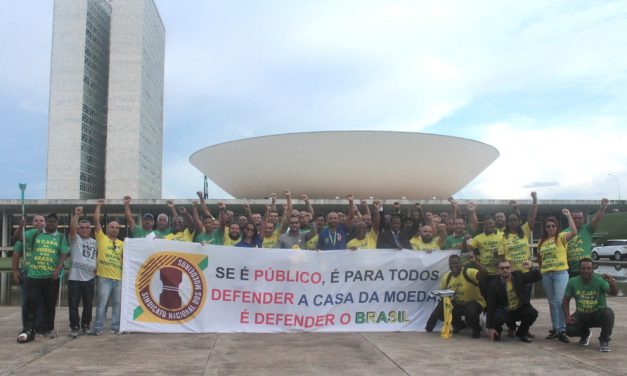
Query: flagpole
[[22, 190]]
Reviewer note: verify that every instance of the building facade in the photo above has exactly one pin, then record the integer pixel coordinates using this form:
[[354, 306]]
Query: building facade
[[106, 100]]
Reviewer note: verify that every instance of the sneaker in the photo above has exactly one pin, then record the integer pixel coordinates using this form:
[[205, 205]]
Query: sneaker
[[585, 340], [84, 330], [605, 346], [26, 336], [552, 335], [95, 333], [74, 333], [563, 337]]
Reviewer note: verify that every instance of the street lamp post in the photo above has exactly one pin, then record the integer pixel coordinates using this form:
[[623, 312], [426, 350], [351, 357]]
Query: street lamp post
[[617, 184]]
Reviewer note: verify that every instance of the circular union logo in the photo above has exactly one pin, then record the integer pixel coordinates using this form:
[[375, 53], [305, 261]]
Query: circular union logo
[[171, 287]]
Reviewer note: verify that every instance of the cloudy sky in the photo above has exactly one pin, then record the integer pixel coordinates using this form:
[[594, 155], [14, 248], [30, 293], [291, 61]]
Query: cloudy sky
[[545, 82]]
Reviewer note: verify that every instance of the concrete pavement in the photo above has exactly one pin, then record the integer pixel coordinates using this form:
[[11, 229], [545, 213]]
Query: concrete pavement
[[309, 353]]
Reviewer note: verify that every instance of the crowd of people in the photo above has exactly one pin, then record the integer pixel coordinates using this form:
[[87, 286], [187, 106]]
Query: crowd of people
[[493, 272]]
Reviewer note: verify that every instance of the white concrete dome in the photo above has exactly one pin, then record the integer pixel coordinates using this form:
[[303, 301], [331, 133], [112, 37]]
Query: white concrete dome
[[331, 164]]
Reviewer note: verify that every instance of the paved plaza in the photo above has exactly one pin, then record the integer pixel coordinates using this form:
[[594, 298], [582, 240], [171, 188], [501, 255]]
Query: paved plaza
[[309, 353]]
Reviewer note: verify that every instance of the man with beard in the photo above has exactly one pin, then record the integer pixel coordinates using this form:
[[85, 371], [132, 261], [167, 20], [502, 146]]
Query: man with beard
[[295, 239], [509, 301], [424, 240]]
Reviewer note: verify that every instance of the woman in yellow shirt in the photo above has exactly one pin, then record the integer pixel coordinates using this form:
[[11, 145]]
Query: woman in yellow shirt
[[554, 267]]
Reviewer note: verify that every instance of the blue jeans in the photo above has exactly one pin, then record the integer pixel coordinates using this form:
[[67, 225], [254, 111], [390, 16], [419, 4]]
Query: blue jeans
[[554, 286], [108, 288]]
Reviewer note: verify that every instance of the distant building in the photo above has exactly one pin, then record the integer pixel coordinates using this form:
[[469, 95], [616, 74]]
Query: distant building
[[105, 127]]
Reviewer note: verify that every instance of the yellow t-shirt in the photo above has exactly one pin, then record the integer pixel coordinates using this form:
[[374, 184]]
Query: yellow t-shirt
[[228, 241], [369, 242], [109, 258], [513, 303], [516, 249], [418, 245], [488, 246], [553, 254], [181, 236], [270, 241], [312, 244], [464, 291]]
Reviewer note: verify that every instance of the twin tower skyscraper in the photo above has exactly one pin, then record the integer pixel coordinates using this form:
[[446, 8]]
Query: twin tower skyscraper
[[105, 130]]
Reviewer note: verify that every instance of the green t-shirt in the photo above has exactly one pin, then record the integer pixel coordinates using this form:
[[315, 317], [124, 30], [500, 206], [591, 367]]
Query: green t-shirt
[[139, 232], [45, 255], [160, 234], [453, 242], [579, 246], [18, 247], [588, 296], [213, 238]]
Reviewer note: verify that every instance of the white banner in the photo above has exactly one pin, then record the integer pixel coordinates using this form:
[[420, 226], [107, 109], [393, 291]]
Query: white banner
[[178, 287]]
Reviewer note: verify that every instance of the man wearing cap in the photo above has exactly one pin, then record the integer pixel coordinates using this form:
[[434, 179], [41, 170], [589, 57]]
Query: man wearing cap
[[49, 250], [148, 221]]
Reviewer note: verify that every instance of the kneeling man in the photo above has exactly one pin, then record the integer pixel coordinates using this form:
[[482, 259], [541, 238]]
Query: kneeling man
[[467, 300], [589, 291], [509, 300]]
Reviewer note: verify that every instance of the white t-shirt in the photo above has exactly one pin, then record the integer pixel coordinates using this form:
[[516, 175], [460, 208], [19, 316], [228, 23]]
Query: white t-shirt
[[82, 259]]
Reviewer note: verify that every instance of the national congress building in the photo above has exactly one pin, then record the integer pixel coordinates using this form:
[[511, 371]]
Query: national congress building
[[105, 130]]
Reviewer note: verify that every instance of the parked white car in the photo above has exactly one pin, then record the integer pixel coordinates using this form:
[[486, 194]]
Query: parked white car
[[614, 249]]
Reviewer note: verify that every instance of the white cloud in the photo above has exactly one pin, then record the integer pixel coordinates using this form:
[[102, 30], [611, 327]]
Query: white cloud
[[576, 156]]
